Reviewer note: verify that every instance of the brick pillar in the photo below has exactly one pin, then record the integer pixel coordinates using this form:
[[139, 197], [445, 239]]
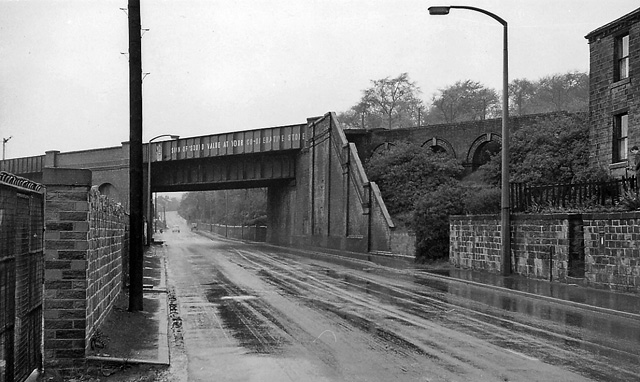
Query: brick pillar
[[66, 250]]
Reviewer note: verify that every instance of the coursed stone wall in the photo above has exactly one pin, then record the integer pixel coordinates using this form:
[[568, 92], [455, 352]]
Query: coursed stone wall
[[543, 246], [474, 242], [612, 249]]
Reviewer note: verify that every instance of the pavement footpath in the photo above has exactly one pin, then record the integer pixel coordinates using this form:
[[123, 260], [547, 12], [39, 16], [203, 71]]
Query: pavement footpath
[[155, 349]]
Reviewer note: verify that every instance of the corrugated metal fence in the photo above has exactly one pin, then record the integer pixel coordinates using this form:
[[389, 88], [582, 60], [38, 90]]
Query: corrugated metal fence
[[21, 276]]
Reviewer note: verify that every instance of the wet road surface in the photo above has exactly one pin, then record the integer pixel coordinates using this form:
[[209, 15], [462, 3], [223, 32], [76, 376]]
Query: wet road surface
[[258, 313]]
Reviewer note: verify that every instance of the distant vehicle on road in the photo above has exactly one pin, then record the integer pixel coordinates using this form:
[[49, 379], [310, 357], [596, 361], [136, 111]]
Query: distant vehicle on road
[[175, 228], [194, 226]]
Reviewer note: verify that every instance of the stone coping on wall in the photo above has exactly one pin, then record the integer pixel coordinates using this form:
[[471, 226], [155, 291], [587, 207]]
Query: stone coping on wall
[[611, 215], [617, 215]]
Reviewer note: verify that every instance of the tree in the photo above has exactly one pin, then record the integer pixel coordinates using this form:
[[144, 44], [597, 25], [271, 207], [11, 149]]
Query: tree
[[558, 92], [464, 101], [564, 92], [167, 203], [553, 150], [521, 92], [389, 102], [236, 207]]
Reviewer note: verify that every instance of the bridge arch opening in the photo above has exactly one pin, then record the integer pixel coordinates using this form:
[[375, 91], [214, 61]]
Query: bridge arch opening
[[382, 147], [482, 149], [233, 213], [110, 191], [440, 146]]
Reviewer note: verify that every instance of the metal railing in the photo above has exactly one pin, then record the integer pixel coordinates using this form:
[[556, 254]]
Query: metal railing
[[526, 197]]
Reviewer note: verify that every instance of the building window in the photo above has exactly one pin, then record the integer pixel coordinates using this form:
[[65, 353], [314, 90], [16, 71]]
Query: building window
[[620, 139], [622, 57]]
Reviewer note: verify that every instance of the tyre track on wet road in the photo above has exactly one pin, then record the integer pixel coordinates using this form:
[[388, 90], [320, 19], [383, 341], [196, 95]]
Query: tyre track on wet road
[[556, 348]]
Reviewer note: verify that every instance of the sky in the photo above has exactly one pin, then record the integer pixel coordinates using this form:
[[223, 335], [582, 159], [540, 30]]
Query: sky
[[226, 65]]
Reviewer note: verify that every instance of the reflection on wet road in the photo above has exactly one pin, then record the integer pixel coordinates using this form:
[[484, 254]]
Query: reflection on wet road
[[254, 312]]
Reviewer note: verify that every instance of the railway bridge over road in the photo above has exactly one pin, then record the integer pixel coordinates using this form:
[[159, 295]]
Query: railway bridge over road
[[318, 192]]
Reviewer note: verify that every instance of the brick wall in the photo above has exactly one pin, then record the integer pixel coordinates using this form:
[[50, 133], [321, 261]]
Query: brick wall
[[65, 302], [545, 246], [83, 264], [107, 226]]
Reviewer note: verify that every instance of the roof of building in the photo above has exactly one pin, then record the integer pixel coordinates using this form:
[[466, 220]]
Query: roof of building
[[614, 26]]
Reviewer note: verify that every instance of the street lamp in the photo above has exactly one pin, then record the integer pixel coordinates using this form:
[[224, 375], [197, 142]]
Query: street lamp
[[4, 145], [149, 214], [504, 226]]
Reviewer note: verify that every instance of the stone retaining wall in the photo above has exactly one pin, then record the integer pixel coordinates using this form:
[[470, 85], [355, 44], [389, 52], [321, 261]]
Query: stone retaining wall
[[612, 250], [601, 250]]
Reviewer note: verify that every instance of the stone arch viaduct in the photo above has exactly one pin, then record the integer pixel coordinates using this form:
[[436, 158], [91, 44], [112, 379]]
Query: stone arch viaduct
[[470, 142]]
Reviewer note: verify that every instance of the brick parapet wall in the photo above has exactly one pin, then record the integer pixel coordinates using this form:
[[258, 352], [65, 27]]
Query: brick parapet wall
[[66, 245], [107, 226], [83, 265], [541, 246]]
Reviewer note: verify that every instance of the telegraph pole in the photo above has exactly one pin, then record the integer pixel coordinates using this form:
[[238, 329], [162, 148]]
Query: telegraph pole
[[136, 194]]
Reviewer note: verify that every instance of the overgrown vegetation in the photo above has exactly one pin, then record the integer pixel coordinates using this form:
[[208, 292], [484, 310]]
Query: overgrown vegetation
[[550, 151], [406, 172], [422, 188]]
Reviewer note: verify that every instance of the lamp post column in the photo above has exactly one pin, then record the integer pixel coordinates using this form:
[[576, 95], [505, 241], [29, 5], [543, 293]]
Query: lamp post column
[[505, 225], [505, 233], [149, 214], [505, 228]]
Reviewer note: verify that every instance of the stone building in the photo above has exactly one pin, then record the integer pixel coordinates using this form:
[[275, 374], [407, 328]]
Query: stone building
[[614, 94]]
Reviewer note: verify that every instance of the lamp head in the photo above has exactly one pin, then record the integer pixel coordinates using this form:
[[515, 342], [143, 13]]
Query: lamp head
[[439, 10]]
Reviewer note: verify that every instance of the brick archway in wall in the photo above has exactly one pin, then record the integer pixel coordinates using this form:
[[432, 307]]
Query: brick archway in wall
[[382, 147], [110, 191], [482, 148], [440, 145]]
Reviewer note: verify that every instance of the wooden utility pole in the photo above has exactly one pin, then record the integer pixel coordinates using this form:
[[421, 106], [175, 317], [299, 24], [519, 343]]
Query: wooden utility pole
[[136, 194]]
